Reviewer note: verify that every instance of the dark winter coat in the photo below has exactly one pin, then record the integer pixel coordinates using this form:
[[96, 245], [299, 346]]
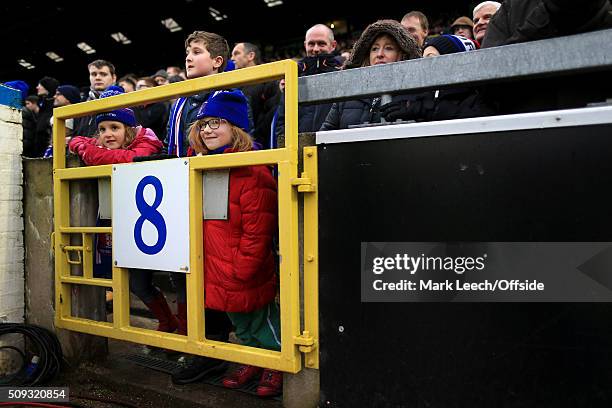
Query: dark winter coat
[[528, 20], [448, 104], [154, 116], [263, 99], [28, 121], [358, 112], [310, 117], [42, 135]]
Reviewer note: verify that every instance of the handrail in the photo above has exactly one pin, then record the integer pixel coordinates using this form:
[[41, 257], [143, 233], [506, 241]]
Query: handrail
[[556, 56]]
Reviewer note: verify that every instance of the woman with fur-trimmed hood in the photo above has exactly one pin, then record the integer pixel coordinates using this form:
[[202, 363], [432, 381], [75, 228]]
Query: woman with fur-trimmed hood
[[382, 42]]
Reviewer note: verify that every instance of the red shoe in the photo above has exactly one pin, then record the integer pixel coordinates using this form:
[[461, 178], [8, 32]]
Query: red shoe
[[241, 376], [271, 383]]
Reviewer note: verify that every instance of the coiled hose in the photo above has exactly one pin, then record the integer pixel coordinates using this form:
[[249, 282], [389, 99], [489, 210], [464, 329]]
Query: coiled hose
[[42, 343]]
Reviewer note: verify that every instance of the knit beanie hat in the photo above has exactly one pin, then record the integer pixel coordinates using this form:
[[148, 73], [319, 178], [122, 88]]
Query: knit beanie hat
[[123, 115], [20, 86], [70, 92], [463, 21], [450, 44], [161, 73], [50, 84], [229, 105], [361, 50]]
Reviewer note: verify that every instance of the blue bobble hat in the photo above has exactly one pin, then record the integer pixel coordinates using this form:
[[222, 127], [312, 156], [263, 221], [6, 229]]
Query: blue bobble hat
[[70, 92], [228, 105], [123, 115]]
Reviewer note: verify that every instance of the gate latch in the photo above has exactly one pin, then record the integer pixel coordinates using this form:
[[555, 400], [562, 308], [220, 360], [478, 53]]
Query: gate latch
[[304, 341], [304, 184]]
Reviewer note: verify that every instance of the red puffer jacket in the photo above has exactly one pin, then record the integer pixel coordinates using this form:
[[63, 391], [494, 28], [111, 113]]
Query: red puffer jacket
[[144, 144], [238, 259]]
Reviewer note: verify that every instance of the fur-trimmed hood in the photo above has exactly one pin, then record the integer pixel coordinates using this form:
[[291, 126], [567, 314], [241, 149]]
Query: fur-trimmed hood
[[361, 50]]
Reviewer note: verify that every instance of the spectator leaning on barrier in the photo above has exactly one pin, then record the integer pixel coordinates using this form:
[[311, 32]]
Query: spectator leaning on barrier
[[483, 13], [382, 42], [417, 25], [463, 26], [443, 104], [320, 44], [101, 76], [527, 20], [263, 97]]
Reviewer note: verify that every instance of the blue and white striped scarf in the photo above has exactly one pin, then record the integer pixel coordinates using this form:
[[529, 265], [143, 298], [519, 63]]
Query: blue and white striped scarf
[[176, 135]]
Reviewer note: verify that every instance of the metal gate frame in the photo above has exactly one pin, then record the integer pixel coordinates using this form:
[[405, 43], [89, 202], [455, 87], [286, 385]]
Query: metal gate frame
[[293, 339]]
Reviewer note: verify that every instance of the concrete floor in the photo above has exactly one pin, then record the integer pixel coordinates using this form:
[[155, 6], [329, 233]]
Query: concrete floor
[[117, 382]]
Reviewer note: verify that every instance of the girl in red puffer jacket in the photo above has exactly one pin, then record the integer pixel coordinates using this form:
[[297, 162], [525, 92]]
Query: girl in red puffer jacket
[[239, 271]]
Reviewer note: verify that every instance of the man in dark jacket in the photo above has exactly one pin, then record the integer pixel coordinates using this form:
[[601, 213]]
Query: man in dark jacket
[[263, 98], [527, 20], [35, 147], [319, 44]]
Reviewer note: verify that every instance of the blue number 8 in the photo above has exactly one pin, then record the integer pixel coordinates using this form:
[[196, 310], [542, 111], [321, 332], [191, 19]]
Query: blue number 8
[[150, 213]]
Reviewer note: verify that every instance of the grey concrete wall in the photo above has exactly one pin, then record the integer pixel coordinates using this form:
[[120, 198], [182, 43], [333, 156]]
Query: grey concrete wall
[[39, 260]]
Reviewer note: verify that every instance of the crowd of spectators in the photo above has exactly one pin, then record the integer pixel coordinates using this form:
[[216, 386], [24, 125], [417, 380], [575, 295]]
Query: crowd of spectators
[[410, 36]]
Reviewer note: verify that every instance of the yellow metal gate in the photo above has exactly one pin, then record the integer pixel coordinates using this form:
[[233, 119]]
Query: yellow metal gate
[[294, 337]]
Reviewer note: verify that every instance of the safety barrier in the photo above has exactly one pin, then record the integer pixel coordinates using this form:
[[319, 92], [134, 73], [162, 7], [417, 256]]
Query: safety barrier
[[294, 337]]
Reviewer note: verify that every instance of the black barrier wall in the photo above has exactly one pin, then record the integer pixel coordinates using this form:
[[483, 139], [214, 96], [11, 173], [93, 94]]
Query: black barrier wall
[[528, 185]]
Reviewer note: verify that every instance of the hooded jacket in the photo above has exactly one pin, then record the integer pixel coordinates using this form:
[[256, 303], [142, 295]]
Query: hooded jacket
[[344, 114], [145, 143]]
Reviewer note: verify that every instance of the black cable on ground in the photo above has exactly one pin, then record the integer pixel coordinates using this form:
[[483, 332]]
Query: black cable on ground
[[45, 345]]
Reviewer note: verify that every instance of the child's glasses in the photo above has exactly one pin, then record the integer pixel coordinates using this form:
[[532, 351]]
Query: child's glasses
[[213, 123]]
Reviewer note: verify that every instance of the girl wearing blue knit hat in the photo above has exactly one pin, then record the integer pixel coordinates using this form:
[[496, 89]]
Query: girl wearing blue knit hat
[[239, 266], [119, 141]]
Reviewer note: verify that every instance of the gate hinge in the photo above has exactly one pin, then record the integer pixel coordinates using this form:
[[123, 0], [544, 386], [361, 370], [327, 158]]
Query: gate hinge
[[305, 342], [304, 184], [53, 242]]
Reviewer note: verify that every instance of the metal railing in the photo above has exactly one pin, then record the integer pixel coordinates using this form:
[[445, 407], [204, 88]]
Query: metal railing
[[586, 52], [294, 337]]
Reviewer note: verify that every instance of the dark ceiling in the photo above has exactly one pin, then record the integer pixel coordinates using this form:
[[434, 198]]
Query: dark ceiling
[[30, 30]]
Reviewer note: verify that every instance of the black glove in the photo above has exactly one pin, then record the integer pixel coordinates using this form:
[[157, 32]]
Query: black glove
[[393, 111]]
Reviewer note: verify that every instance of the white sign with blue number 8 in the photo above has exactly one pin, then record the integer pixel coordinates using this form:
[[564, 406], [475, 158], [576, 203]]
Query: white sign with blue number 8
[[151, 215]]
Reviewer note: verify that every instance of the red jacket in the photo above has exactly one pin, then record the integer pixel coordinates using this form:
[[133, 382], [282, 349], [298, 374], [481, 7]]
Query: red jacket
[[238, 259], [144, 144]]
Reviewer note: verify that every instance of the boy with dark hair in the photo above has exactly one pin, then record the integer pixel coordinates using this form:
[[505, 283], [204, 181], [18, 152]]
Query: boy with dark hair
[[207, 54]]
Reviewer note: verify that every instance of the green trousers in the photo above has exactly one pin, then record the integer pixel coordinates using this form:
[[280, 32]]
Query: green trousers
[[260, 328]]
